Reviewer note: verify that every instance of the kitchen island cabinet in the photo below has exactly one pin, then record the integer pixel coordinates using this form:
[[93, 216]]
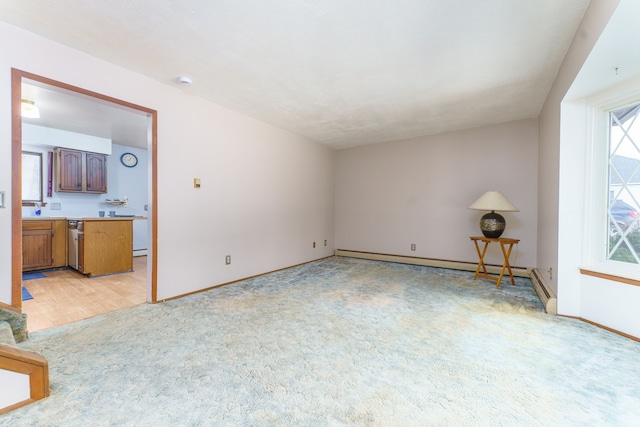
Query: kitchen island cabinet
[[44, 243], [105, 245]]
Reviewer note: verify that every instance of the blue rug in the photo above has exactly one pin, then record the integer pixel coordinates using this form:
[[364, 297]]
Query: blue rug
[[26, 295], [34, 275]]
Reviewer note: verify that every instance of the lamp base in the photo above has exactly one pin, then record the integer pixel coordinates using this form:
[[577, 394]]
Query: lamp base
[[492, 225]]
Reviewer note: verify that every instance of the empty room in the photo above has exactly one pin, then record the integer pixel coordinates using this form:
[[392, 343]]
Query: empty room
[[342, 213]]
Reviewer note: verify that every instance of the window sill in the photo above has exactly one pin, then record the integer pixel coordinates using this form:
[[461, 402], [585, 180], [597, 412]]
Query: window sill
[[607, 275]]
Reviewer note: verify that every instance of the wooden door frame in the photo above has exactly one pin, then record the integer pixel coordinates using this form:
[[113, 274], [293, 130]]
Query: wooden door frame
[[17, 77]]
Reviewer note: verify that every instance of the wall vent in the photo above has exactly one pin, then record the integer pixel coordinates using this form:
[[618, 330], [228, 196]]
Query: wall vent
[[546, 295]]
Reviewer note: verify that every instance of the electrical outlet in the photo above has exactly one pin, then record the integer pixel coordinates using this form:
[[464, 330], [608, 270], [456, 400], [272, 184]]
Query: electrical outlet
[[413, 246], [56, 206], [196, 182], [325, 243], [314, 244], [227, 259], [146, 207]]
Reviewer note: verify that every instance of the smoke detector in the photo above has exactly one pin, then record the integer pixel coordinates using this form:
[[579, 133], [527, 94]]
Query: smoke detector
[[184, 80]]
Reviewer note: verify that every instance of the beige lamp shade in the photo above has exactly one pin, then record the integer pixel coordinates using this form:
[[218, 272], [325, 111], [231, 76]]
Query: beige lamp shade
[[493, 201]]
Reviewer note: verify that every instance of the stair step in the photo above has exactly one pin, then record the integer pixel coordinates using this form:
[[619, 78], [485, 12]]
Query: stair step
[[17, 322], [6, 334]]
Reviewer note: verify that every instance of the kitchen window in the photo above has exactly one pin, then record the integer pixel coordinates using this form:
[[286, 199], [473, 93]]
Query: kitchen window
[[32, 168]]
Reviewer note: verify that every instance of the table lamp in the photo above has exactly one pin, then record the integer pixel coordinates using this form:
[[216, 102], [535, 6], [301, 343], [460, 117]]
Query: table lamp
[[492, 224]]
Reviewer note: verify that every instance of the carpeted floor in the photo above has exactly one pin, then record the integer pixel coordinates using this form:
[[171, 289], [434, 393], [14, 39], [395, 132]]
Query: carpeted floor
[[339, 342]]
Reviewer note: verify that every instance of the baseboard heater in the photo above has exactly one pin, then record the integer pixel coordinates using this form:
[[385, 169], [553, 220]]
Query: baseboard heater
[[430, 262], [546, 295]]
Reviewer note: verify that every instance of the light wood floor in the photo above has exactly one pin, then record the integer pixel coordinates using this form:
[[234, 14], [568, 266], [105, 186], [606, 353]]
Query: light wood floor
[[66, 296]]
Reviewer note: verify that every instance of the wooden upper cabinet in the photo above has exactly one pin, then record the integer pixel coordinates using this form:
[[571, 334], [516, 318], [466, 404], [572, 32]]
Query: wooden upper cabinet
[[96, 166], [80, 172], [69, 170]]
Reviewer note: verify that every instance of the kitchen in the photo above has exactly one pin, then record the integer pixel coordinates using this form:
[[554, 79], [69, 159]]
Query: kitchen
[[93, 235]]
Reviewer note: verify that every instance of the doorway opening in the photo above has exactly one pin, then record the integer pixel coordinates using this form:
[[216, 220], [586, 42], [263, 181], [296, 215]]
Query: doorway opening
[[84, 101]]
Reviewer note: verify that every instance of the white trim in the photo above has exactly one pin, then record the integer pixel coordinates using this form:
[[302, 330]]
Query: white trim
[[596, 178], [596, 186], [615, 268]]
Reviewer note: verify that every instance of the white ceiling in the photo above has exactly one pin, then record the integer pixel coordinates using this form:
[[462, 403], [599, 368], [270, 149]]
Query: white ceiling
[[340, 72], [70, 111]]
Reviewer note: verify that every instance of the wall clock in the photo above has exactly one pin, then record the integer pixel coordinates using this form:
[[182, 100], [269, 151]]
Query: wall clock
[[129, 160]]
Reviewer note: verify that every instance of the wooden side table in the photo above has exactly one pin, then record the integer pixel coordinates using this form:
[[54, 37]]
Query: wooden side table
[[506, 245]]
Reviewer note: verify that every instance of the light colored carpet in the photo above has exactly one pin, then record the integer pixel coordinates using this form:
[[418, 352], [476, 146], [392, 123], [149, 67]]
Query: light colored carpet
[[339, 342]]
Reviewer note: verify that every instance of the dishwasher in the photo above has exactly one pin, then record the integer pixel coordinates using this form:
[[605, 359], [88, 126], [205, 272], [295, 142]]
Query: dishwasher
[[75, 228]]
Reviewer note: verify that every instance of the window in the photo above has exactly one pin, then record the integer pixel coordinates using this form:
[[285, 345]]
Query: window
[[624, 185], [31, 178]]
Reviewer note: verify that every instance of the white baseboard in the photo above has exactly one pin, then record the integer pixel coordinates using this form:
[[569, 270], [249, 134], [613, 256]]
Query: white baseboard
[[429, 262], [139, 252]]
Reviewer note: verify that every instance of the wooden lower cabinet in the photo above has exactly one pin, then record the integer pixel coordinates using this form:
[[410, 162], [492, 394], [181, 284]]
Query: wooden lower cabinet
[[105, 247], [44, 244]]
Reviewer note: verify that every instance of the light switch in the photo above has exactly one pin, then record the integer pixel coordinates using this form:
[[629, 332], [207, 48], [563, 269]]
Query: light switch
[[1, 199], [196, 182]]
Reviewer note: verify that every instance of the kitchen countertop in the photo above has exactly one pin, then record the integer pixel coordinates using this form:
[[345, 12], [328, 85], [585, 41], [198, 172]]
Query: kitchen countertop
[[84, 218], [35, 218]]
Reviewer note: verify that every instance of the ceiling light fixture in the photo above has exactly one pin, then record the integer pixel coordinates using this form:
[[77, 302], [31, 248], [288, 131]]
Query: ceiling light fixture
[[184, 80], [30, 109]]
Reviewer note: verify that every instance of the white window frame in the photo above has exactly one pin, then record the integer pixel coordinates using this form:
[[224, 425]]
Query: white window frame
[[597, 182]]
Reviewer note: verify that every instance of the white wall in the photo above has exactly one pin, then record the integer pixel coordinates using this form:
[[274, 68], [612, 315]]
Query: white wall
[[391, 195], [266, 193], [595, 19], [49, 137], [565, 162], [133, 183], [19, 391], [609, 303]]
